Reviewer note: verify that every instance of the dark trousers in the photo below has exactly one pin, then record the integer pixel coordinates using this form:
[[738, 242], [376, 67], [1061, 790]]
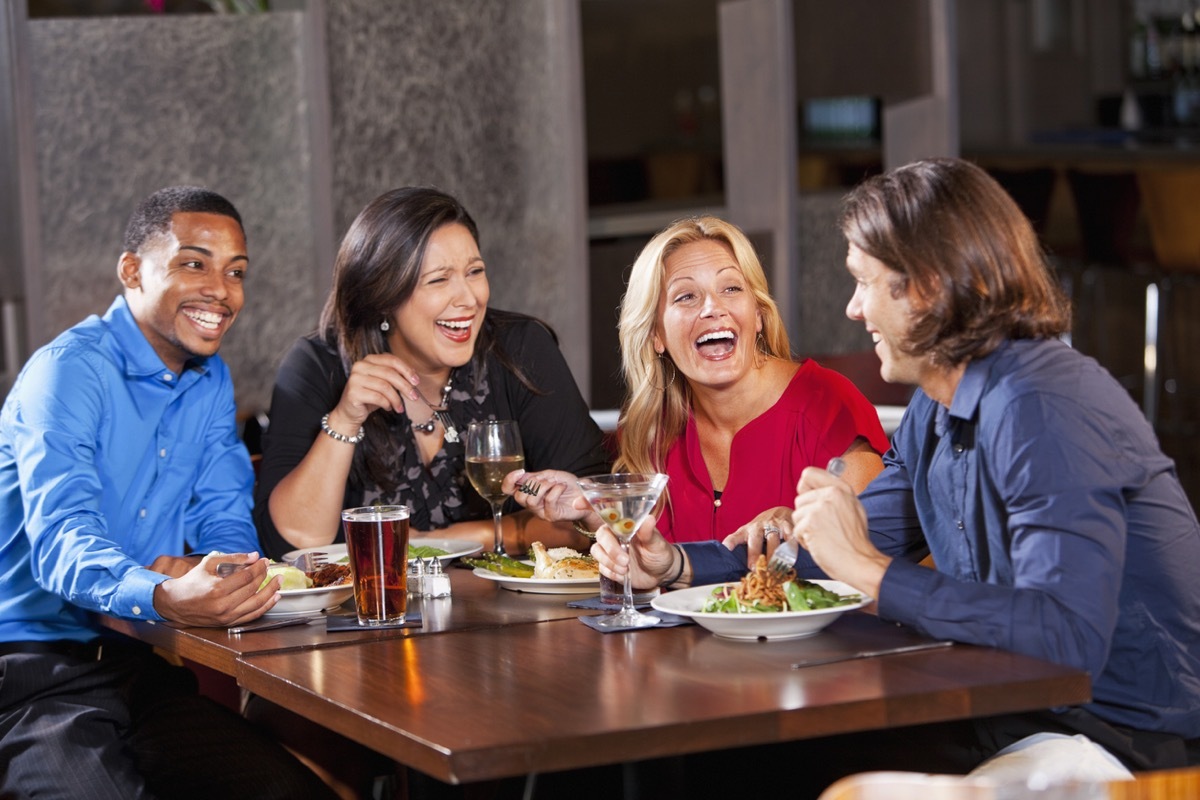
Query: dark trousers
[[129, 725]]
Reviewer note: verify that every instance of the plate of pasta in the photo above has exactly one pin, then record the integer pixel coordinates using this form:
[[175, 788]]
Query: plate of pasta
[[763, 607]]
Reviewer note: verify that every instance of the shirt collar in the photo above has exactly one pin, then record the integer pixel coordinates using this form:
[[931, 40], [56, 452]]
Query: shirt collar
[[969, 391], [140, 357]]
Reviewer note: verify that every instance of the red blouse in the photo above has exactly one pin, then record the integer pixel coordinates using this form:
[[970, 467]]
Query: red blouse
[[819, 415]]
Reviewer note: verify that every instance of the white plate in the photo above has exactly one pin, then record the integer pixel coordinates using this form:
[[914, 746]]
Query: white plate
[[455, 548], [310, 601], [752, 627], [542, 585]]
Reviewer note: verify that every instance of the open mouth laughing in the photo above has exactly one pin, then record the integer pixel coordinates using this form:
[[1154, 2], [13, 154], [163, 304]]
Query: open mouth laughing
[[717, 344]]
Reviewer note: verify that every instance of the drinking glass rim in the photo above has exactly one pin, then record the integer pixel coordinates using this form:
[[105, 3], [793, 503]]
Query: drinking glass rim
[[372, 513], [618, 479]]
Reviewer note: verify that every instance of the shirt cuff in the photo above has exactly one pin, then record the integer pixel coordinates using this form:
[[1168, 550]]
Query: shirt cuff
[[904, 590], [135, 595], [713, 562]]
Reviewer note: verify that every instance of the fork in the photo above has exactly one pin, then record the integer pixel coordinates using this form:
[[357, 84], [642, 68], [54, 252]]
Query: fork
[[308, 562], [784, 557]]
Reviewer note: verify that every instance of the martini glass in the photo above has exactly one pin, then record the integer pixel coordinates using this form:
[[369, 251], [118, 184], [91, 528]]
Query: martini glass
[[624, 500], [493, 451]]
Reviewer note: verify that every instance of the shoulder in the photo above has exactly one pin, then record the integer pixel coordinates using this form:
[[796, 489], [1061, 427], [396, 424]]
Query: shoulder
[[814, 384], [513, 329]]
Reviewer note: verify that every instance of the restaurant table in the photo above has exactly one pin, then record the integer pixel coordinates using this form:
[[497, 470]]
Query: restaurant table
[[474, 603], [503, 701]]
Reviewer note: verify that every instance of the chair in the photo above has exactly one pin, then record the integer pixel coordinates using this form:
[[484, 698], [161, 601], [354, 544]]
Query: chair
[[1171, 198], [1164, 785], [1106, 210]]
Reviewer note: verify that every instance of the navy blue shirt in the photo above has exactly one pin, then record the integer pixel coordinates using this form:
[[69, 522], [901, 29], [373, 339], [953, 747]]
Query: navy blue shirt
[[1058, 527]]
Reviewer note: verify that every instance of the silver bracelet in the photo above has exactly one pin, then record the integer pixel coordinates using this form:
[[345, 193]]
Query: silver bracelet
[[341, 437]]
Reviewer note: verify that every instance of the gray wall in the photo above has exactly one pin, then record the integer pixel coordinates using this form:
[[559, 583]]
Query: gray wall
[[475, 98]]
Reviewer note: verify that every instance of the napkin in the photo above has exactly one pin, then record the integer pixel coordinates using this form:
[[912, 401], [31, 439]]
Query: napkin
[[349, 622], [666, 621]]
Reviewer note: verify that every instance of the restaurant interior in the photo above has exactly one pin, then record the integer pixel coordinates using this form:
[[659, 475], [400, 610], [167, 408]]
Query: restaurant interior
[[575, 129]]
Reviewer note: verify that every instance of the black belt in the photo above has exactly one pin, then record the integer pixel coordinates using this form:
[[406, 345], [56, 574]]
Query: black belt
[[95, 650]]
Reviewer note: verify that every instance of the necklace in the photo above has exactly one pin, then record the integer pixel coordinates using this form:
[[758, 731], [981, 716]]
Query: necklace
[[439, 413]]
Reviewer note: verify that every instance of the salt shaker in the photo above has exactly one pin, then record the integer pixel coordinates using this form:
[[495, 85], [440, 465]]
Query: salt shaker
[[437, 582], [417, 582]]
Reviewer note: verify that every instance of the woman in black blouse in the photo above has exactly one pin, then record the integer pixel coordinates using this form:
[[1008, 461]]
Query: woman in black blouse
[[407, 328]]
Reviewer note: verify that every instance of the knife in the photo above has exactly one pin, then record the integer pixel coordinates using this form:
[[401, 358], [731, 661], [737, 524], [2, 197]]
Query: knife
[[887, 651], [269, 624]]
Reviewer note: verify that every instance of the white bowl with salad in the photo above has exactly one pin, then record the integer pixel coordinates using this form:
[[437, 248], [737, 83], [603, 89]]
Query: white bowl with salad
[[810, 606]]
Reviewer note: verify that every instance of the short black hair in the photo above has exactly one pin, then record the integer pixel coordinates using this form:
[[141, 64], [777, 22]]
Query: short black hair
[[153, 215]]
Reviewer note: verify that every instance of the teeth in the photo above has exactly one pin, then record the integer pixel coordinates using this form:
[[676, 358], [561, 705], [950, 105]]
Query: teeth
[[206, 318], [875, 337], [714, 336], [455, 325]]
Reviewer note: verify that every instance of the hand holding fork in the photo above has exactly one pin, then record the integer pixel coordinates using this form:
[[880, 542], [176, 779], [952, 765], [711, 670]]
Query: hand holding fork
[[784, 557]]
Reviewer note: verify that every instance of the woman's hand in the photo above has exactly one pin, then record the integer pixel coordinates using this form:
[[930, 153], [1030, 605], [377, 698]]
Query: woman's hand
[[551, 495], [379, 380], [651, 560], [762, 534]]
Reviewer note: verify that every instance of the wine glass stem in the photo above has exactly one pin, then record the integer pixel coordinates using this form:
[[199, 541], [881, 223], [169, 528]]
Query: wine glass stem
[[627, 595], [499, 543]]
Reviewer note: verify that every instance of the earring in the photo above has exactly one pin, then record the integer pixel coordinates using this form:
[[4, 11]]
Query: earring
[[384, 326], [667, 362]]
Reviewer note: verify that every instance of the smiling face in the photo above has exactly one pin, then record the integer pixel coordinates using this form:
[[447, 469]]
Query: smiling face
[[708, 321], [184, 286], [887, 315], [435, 329]]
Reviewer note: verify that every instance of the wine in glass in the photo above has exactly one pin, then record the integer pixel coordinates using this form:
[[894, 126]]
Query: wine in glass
[[624, 500], [493, 451]]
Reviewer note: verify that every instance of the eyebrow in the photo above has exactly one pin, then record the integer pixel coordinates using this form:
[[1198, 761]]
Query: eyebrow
[[205, 251]]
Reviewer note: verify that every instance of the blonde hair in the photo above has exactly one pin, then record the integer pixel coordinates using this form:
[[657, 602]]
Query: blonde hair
[[658, 400]]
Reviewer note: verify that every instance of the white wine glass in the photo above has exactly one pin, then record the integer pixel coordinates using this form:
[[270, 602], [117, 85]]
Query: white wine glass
[[493, 450], [624, 500]]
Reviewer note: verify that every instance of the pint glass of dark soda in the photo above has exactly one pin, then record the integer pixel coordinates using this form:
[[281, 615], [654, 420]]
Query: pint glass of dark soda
[[377, 542]]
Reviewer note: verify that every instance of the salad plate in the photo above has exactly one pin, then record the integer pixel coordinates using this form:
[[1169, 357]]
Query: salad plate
[[294, 602], [542, 585], [768, 625]]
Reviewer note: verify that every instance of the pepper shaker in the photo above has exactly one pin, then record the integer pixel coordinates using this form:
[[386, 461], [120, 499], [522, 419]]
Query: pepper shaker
[[416, 578]]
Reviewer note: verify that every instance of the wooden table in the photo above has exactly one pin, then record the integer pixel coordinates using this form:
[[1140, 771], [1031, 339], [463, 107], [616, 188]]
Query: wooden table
[[502, 701], [474, 603]]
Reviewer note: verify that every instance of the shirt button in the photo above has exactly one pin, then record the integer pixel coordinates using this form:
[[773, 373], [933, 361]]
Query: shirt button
[[167, 376], [136, 609], [958, 448], [959, 525], [717, 503], [142, 513], [162, 453]]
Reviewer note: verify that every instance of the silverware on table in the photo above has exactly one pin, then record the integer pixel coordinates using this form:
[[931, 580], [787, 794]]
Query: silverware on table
[[784, 557], [887, 651], [265, 624]]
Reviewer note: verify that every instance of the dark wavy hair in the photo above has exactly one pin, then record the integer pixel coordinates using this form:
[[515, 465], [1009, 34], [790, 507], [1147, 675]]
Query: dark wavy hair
[[957, 238], [153, 215], [376, 271]]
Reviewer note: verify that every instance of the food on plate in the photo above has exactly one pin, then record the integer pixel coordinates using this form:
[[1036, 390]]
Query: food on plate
[[289, 577], [425, 551], [763, 590], [556, 563], [501, 565], [562, 563], [330, 575]]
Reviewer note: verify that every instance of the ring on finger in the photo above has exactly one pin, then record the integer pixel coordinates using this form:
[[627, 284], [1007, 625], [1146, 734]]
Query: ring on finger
[[769, 530], [530, 488]]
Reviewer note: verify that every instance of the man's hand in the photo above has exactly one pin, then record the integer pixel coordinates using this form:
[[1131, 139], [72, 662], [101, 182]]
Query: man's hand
[[651, 560], [831, 525], [200, 597]]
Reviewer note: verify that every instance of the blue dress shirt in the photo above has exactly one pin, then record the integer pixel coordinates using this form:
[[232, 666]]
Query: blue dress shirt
[[108, 460], [1058, 527]]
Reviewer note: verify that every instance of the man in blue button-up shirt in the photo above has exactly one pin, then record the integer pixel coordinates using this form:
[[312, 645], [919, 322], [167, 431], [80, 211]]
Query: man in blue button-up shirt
[[1058, 527], [119, 457]]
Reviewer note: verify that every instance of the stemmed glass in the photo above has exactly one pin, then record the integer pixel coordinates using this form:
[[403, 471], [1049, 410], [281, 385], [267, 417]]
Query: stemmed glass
[[493, 451], [624, 500]]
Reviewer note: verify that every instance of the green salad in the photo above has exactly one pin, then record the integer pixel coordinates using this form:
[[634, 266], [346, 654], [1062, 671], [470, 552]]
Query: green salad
[[800, 596], [414, 551]]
